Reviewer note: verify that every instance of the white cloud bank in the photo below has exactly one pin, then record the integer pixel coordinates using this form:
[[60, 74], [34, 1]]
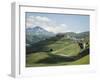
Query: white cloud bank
[[46, 23]]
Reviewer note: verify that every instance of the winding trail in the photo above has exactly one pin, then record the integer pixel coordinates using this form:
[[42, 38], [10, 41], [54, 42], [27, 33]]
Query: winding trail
[[66, 55], [59, 50]]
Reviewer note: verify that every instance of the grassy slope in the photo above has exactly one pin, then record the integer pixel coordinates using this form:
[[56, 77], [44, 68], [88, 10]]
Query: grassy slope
[[33, 58], [66, 47], [84, 60]]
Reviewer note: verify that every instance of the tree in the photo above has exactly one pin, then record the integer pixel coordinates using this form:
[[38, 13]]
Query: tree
[[51, 50]]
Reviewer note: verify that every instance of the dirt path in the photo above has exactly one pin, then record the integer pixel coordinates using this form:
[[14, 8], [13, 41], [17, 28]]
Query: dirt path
[[59, 50], [61, 54]]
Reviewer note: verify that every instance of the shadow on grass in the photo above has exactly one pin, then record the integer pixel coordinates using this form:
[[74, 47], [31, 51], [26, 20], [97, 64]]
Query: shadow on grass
[[53, 58], [41, 46]]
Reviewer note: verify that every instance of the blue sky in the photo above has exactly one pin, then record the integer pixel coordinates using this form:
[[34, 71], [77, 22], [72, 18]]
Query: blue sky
[[58, 22]]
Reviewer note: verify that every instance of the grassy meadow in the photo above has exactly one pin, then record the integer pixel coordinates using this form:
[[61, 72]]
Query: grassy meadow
[[57, 51]]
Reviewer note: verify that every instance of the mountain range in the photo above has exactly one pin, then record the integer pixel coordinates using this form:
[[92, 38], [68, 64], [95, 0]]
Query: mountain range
[[77, 35], [36, 34]]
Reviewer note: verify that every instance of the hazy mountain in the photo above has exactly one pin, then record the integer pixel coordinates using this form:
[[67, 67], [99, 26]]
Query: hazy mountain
[[36, 34], [75, 36], [83, 34], [39, 31]]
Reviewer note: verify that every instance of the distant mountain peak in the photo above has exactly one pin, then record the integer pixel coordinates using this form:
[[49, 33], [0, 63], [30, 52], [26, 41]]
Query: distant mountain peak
[[37, 33], [37, 27]]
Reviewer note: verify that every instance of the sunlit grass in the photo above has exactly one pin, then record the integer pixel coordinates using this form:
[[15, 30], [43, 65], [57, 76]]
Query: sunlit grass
[[66, 47]]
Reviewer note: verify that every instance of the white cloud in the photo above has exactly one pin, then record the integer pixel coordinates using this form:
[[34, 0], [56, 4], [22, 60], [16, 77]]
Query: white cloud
[[46, 23], [42, 18]]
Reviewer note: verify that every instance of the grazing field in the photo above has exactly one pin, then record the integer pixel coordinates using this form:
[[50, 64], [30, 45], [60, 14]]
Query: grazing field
[[84, 60], [53, 52]]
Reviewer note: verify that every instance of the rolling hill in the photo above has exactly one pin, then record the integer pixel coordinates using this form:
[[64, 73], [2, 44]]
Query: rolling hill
[[48, 48]]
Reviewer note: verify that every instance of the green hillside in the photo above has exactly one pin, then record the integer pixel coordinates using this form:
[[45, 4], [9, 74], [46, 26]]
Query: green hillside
[[57, 50]]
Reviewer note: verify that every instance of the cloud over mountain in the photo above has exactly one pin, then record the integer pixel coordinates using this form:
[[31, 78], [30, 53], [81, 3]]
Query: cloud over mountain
[[46, 23]]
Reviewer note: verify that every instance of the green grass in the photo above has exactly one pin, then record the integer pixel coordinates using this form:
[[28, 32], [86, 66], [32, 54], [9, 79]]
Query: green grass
[[71, 50], [34, 58], [62, 46], [30, 59], [84, 60]]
